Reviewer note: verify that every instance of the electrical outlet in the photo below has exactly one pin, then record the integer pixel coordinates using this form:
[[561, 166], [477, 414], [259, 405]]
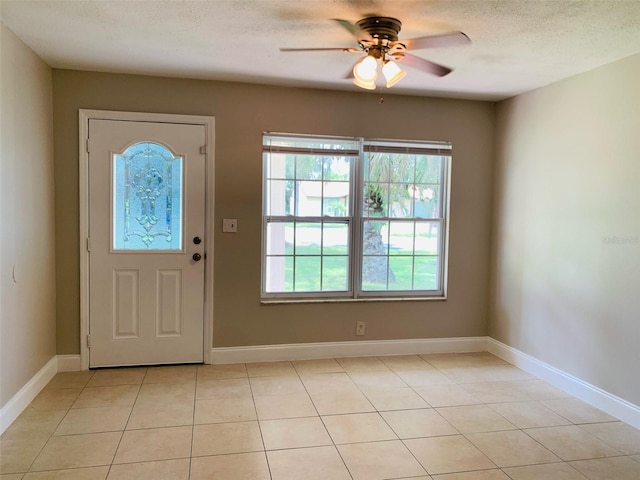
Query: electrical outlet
[[359, 328]]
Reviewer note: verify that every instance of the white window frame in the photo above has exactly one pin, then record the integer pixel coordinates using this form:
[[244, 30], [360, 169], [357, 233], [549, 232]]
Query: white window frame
[[356, 218]]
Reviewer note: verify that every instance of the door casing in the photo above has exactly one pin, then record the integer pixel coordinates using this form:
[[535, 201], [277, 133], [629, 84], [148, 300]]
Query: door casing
[[209, 124]]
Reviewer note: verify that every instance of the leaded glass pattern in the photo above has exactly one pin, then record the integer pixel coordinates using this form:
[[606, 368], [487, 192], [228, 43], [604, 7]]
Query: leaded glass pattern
[[147, 198]]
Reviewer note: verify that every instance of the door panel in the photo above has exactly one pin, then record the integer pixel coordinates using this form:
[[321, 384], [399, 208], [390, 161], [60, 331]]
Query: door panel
[[146, 204]]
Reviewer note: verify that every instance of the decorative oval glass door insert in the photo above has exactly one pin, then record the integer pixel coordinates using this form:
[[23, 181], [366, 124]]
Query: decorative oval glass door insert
[[147, 198]]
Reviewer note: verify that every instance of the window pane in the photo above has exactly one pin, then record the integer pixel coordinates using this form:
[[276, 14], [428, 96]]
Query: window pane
[[281, 166], [374, 273], [402, 168], [308, 237], [427, 238], [335, 239], [308, 198], [279, 238], [427, 201], [308, 167], [429, 168], [147, 198], [401, 201], [307, 274], [375, 237], [335, 273], [279, 274], [376, 200], [425, 273], [400, 273], [335, 199], [337, 168], [401, 238], [280, 195], [376, 167]]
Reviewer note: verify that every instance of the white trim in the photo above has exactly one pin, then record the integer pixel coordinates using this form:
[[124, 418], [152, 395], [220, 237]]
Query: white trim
[[304, 351], [209, 124], [613, 405], [21, 400], [69, 363]]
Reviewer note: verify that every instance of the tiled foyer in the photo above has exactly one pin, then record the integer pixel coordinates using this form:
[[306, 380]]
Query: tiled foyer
[[439, 417]]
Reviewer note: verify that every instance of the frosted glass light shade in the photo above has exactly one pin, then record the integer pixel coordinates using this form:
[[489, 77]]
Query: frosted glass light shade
[[365, 73], [392, 73]]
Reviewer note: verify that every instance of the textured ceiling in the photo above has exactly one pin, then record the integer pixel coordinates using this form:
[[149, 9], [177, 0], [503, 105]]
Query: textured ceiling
[[518, 45]]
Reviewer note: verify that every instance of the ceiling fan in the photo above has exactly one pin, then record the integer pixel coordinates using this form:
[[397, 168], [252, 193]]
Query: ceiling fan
[[377, 37]]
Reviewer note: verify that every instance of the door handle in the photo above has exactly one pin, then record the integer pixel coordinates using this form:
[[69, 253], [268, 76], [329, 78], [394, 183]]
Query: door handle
[[197, 240], [197, 257]]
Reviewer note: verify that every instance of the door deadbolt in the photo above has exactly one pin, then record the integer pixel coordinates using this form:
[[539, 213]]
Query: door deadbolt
[[197, 240]]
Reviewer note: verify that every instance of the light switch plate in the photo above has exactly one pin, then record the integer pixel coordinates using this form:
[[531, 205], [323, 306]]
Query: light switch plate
[[229, 225]]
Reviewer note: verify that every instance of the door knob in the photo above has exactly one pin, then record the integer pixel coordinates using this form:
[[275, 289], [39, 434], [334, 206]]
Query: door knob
[[197, 240], [197, 257]]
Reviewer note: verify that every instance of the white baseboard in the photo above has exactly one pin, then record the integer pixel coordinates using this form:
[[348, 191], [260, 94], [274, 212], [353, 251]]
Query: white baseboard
[[22, 399], [305, 351], [605, 401], [69, 363]]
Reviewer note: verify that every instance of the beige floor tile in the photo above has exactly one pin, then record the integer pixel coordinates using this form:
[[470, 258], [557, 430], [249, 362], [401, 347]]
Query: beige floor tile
[[366, 380], [223, 410], [460, 360], [55, 399], [271, 369], [359, 427], [477, 475], [166, 393], [394, 398], [242, 466], [160, 470], [289, 385], [511, 448], [110, 396], [513, 391], [577, 411], [70, 380], [171, 374], [418, 423], [75, 451], [294, 433], [90, 473], [405, 362], [218, 372], [572, 443], [34, 424], [94, 420], [16, 455], [117, 376], [617, 468], [146, 415], [11, 476], [489, 373], [529, 414], [380, 460], [326, 365], [290, 406], [474, 419], [315, 463], [619, 435], [225, 387], [448, 454], [421, 378], [154, 444], [335, 402], [450, 395], [223, 438], [636, 458], [551, 471], [328, 381], [362, 364]]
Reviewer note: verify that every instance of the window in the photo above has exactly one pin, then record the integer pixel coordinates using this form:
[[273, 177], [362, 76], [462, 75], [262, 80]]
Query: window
[[353, 218]]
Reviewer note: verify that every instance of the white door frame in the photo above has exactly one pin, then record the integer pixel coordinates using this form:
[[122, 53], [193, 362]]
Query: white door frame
[[209, 124]]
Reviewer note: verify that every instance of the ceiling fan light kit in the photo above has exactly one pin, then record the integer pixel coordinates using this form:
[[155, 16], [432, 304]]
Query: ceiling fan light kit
[[377, 38]]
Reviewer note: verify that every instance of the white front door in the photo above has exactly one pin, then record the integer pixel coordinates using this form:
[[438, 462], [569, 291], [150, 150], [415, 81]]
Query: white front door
[[146, 242]]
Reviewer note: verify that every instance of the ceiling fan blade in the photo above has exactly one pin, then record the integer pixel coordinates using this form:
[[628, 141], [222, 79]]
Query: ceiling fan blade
[[435, 41], [425, 65], [339, 49], [353, 29]]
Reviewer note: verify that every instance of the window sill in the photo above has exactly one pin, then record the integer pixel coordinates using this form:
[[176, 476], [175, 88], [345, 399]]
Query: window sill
[[278, 301]]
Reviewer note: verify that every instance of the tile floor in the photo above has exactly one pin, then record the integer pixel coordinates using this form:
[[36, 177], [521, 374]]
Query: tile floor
[[438, 417]]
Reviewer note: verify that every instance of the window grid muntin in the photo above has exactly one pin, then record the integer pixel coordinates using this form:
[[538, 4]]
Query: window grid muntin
[[433, 149]]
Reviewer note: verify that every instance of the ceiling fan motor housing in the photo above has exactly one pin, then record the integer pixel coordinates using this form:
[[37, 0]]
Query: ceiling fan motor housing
[[381, 28]]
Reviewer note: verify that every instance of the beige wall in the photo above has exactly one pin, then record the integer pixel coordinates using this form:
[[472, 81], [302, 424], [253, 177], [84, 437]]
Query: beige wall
[[27, 321], [242, 113], [566, 250]]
